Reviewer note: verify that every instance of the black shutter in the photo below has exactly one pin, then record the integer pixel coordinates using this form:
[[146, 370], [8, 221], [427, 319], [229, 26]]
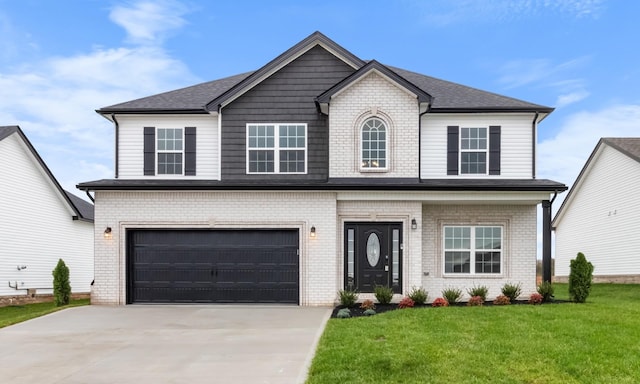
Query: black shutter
[[494, 150], [452, 150], [149, 151], [190, 151]]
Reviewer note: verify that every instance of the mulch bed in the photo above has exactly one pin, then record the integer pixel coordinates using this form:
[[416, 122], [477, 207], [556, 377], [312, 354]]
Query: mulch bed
[[356, 311]]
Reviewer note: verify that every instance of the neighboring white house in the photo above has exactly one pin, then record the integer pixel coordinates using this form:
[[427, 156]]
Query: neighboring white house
[[40, 223], [318, 171], [601, 215]]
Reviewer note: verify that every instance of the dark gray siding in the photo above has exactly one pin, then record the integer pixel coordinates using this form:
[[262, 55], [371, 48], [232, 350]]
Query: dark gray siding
[[285, 97]]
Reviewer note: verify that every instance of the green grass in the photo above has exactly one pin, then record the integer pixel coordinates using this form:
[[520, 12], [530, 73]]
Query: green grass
[[594, 342], [18, 313]]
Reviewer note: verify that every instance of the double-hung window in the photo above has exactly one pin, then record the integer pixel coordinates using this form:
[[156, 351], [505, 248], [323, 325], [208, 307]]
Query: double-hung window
[[170, 151], [473, 250], [276, 148], [473, 150]]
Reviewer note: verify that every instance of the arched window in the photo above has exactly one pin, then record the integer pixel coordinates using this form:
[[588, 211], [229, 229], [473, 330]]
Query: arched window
[[374, 144]]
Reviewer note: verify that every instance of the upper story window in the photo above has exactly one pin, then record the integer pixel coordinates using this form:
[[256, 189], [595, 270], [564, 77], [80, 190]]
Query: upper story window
[[170, 151], [473, 150], [472, 250], [276, 148], [374, 144]]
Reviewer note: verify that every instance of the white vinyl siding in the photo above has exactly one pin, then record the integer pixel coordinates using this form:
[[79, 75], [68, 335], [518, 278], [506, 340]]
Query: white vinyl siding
[[516, 155], [36, 226], [602, 218], [131, 143]]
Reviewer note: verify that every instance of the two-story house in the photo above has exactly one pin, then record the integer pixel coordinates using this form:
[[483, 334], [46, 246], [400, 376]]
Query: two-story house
[[316, 172]]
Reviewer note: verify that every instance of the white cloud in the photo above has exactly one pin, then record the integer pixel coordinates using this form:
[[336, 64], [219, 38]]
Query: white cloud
[[570, 98], [149, 22]]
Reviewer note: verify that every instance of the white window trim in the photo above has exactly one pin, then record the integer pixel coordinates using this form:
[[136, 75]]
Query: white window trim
[[460, 151], [276, 149], [473, 250], [386, 168], [158, 151]]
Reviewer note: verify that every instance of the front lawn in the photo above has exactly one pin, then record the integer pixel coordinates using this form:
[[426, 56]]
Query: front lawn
[[594, 342], [17, 313]]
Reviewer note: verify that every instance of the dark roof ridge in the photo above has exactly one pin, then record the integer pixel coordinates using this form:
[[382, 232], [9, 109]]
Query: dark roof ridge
[[622, 144]]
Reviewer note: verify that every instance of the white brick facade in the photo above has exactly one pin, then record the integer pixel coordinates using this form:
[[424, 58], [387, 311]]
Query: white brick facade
[[373, 96]]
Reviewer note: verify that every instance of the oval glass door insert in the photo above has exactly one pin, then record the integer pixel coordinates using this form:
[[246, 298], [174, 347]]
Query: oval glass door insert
[[373, 249]]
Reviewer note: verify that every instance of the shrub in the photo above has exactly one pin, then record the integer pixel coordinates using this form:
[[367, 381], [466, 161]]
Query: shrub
[[440, 302], [546, 290], [61, 285], [535, 298], [502, 300], [369, 312], [406, 302], [452, 295], [512, 291], [418, 295], [580, 277], [367, 304], [348, 297], [344, 313], [383, 294], [475, 301], [480, 290]]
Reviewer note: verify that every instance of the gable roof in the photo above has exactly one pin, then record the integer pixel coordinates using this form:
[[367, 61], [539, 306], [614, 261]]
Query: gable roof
[[629, 146], [82, 209], [209, 96]]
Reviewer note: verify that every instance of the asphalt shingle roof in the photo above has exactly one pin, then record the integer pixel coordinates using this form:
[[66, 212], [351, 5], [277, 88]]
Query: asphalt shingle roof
[[630, 146]]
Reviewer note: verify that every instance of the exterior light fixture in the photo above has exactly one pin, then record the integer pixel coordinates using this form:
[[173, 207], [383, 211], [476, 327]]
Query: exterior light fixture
[[414, 224], [312, 234], [107, 233]]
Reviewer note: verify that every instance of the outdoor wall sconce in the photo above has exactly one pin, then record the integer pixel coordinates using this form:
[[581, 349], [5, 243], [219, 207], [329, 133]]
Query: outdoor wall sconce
[[414, 224], [312, 234], [107, 233]]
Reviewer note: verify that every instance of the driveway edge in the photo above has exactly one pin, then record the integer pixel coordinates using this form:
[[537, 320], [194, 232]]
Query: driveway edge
[[302, 378]]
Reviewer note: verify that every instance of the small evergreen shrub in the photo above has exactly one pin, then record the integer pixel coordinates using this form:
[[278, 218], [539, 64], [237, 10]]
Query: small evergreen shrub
[[348, 297], [480, 290], [406, 302], [512, 291], [580, 278], [343, 313], [61, 285], [452, 295], [475, 301], [367, 304], [418, 295], [535, 298], [383, 294], [546, 290], [502, 300], [369, 312], [440, 302]]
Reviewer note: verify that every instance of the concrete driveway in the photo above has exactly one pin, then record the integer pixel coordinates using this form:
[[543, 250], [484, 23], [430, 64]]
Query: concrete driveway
[[163, 344]]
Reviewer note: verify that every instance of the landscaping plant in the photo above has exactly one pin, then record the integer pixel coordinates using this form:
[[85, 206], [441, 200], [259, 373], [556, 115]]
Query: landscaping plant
[[367, 304], [406, 302], [512, 291], [344, 313], [546, 290], [348, 297], [369, 312], [419, 295], [452, 295], [475, 301], [535, 298], [440, 302], [480, 290], [580, 277], [502, 300], [383, 294], [61, 285]]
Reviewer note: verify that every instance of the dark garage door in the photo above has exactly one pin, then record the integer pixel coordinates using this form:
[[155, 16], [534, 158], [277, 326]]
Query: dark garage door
[[221, 266]]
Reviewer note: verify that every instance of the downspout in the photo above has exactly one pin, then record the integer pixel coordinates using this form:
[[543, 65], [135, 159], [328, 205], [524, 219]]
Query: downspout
[[90, 197], [546, 237], [219, 142], [534, 139], [117, 126], [420, 138]]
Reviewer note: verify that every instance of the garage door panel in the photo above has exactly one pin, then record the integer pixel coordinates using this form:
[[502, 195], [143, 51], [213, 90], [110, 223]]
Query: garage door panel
[[222, 266]]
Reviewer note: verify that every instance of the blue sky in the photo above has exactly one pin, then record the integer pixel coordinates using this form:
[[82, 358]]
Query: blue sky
[[61, 60]]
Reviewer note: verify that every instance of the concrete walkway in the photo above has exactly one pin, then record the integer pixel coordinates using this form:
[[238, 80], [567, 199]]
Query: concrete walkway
[[163, 344]]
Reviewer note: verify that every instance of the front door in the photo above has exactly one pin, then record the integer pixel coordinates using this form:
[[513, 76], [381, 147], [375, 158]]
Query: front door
[[373, 256]]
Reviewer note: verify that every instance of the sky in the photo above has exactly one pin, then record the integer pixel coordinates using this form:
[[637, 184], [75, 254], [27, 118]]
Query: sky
[[62, 60]]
